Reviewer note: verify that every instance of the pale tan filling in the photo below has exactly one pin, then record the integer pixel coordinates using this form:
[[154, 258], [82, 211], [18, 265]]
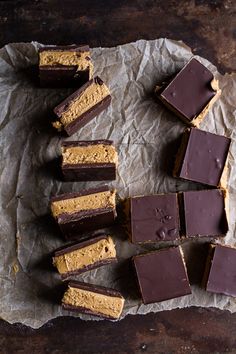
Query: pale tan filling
[[97, 303], [78, 259], [91, 96], [224, 177], [65, 58], [89, 154], [85, 202]]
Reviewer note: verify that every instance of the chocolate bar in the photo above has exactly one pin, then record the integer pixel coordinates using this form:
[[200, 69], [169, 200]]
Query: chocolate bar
[[220, 271], [64, 66], [202, 157], [154, 218], [93, 300], [84, 211], [80, 257], [89, 160], [162, 275], [82, 106], [191, 93], [204, 213]]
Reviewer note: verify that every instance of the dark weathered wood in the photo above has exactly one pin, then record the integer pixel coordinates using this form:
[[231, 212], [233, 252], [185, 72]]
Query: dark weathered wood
[[209, 27], [188, 331]]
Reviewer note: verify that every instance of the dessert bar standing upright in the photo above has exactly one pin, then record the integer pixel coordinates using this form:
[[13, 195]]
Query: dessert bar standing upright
[[95, 160]]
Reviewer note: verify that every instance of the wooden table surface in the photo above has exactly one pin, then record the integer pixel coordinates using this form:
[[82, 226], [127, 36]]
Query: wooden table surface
[[209, 28]]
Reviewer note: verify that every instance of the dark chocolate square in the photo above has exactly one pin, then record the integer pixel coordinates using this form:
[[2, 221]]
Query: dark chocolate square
[[203, 156], [222, 272], [154, 218], [204, 213], [162, 275], [190, 91]]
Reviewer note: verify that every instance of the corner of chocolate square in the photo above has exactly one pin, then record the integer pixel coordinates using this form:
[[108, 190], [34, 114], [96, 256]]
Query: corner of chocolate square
[[154, 218], [205, 213], [82, 106], [93, 300], [80, 257], [65, 66], [191, 93], [84, 211], [220, 271], [202, 157], [95, 160], [162, 275]]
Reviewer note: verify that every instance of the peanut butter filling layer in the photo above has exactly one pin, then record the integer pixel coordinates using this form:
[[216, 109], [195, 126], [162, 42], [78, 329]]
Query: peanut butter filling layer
[[54, 57], [89, 154], [83, 257], [85, 202], [91, 96], [98, 303]]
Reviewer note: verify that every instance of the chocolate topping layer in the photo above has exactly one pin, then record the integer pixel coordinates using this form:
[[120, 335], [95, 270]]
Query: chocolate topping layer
[[162, 275], [222, 272], [74, 221], [154, 218], [84, 104], [204, 213], [93, 300], [84, 256], [72, 47], [190, 91], [204, 157]]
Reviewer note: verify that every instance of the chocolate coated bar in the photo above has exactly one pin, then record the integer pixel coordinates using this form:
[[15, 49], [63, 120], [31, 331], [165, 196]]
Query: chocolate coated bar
[[154, 218], [162, 275], [82, 106], [84, 211], [89, 160], [93, 300], [64, 66], [204, 213], [191, 92], [220, 272], [202, 158], [80, 257]]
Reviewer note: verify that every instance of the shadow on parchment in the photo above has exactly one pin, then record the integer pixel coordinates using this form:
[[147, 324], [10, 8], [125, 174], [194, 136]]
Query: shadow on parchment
[[126, 280], [52, 169], [54, 294]]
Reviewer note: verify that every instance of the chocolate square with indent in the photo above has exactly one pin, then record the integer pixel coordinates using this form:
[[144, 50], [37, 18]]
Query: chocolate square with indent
[[202, 157], [162, 275], [204, 213], [154, 218], [221, 270], [190, 91]]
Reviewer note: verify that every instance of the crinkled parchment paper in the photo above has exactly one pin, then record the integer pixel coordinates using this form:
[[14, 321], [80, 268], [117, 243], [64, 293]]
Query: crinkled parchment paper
[[146, 135]]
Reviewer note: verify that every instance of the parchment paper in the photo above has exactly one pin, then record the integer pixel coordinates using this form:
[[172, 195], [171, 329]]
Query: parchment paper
[[146, 135]]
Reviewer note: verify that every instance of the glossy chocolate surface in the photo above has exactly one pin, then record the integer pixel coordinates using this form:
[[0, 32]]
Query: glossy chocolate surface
[[204, 213], [154, 218], [204, 158], [161, 275], [222, 272], [190, 90]]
